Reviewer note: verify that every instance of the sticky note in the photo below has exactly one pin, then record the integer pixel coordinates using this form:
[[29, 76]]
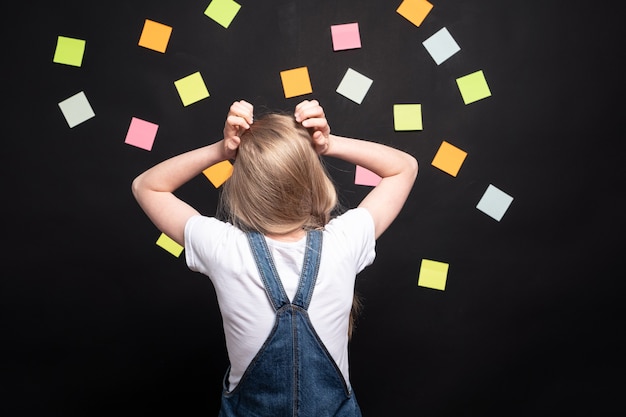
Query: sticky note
[[76, 109], [449, 158], [141, 133], [155, 35], [363, 176], [222, 11], [169, 245], [407, 116], [191, 88], [354, 86], [433, 274], [494, 202], [69, 51], [296, 82], [345, 36], [441, 45], [219, 173], [473, 87], [415, 11]]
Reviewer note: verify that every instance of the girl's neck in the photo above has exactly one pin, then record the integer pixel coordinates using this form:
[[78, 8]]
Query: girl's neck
[[291, 236]]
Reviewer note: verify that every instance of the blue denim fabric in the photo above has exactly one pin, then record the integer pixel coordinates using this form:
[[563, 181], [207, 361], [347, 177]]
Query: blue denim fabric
[[292, 374]]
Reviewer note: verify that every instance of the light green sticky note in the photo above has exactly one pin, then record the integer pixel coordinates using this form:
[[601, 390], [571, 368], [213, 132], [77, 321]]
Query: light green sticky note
[[169, 245], [407, 116], [69, 51], [433, 274], [222, 11], [473, 87], [191, 88]]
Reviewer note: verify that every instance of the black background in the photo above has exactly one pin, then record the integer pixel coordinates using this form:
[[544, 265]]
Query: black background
[[96, 319]]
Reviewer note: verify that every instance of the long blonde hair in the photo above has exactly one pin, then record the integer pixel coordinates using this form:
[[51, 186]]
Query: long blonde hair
[[279, 183]]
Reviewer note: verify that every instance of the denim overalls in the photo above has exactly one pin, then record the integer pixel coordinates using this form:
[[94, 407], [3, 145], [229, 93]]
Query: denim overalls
[[292, 375]]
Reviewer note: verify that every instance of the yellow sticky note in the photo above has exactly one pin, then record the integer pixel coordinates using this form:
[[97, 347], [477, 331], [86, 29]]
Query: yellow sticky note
[[155, 35], [191, 88], [407, 116], [69, 51], [219, 173], [414, 11], [449, 158], [433, 274], [473, 87], [296, 82], [222, 11], [169, 245]]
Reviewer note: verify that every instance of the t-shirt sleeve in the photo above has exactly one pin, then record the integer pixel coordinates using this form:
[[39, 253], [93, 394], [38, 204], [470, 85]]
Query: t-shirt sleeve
[[354, 230], [202, 237]]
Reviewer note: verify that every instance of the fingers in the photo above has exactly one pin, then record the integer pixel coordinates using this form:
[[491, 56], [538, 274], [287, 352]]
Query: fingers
[[308, 109], [241, 113]]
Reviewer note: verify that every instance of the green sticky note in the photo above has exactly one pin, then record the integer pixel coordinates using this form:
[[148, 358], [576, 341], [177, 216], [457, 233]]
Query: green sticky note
[[433, 274], [222, 11], [473, 87], [191, 88], [69, 51], [169, 245], [407, 116]]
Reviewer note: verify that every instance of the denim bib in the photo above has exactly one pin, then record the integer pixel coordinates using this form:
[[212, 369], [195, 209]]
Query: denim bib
[[292, 375]]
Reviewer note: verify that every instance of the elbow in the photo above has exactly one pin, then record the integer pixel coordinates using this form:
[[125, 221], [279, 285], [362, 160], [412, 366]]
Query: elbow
[[135, 186], [413, 166]]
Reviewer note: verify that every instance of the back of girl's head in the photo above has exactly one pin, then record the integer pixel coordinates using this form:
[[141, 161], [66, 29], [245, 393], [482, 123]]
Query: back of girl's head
[[278, 182]]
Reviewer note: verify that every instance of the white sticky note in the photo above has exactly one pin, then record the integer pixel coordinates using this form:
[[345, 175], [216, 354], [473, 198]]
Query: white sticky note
[[76, 109], [494, 202], [354, 85], [441, 45]]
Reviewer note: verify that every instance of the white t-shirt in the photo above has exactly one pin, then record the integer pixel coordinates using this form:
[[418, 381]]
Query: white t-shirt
[[222, 252]]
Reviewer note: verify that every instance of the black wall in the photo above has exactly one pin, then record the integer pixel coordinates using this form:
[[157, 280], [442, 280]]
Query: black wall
[[96, 319]]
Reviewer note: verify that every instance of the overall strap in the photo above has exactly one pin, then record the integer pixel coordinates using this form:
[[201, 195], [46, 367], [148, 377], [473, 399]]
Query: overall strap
[[269, 275], [267, 269], [310, 267]]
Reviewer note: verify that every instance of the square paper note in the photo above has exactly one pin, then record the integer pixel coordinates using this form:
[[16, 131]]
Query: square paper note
[[69, 51], [354, 86], [296, 82], [155, 35], [449, 158], [441, 46], [76, 109], [363, 176], [141, 133], [414, 11], [169, 245], [219, 173], [407, 116], [494, 202], [191, 88], [345, 36], [433, 274], [222, 11], [473, 87]]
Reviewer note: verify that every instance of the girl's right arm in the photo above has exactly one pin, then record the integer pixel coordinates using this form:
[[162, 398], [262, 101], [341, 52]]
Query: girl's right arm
[[396, 168]]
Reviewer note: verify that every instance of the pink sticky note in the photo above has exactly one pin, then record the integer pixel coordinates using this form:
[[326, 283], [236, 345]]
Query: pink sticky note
[[364, 176], [141, 133], [345, 36]]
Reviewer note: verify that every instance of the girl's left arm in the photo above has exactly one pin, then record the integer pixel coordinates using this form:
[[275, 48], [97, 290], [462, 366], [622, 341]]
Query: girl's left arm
[[154, 188]]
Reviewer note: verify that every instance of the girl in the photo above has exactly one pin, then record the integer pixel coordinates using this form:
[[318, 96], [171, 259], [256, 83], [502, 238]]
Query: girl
[[283, 269]]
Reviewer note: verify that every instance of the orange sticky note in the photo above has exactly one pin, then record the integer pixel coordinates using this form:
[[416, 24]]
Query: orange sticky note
[[449, 158], [296, 82], [155, 35], [219, 173], [414, 11]]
